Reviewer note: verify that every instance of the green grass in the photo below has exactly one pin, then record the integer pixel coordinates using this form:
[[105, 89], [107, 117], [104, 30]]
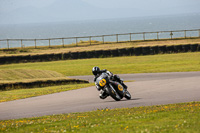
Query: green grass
[[174, 118], [9, 77], [25, 93], [24, 74], [182, 62]]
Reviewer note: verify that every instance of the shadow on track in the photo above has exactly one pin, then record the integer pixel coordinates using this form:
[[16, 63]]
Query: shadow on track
[[124, 100]]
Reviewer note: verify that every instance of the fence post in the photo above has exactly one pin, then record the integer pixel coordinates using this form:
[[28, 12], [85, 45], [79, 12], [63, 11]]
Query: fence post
[[130, 37], [90, 40], [76, 41], [103, 39], [117, 37], [171, 34], [63, 42], [185, 34], [49, 43], [35, 44], [199, 33], [157, 35], [144, 36], [8, 43], [21, 44]]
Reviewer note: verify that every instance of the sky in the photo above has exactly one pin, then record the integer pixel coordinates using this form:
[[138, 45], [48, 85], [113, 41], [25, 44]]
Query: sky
[[35, 11], [112, 3], [98, 3]]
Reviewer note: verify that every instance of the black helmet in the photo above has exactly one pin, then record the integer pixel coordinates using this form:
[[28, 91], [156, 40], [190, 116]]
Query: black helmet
[[95, 70]]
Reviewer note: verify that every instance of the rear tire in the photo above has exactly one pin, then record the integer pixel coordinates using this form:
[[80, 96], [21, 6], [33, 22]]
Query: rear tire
[[128, 95]]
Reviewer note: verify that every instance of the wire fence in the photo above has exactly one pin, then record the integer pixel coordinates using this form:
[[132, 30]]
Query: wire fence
[[76, 41]]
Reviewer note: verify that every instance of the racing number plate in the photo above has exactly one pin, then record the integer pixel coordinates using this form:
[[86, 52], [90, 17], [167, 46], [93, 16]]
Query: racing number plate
[[120, 87], [102, 82]]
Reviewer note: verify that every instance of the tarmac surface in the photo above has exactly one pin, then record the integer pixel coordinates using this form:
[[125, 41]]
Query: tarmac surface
[[146, 90]]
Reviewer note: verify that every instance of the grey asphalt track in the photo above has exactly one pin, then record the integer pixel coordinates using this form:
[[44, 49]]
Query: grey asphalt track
[[147, 89]]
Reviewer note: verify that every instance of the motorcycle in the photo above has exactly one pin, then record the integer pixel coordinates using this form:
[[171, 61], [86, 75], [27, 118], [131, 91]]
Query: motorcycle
[[112, 88]]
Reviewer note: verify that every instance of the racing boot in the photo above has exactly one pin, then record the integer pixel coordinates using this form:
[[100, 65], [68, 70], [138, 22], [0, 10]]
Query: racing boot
[[103, 94]]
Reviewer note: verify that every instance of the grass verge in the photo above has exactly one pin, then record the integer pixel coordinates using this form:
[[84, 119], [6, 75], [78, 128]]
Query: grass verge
[[181, 62], [85, 46], [171, 118], [26, 78], [27, 74], [25, 93]]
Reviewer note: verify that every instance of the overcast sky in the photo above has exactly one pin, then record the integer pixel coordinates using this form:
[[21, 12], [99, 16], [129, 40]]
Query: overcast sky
[[117, 3], [26, 11], [124, 3], [112, 3]]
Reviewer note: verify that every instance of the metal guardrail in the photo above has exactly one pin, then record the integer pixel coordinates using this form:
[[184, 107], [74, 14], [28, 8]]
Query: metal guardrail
[[169, 35]]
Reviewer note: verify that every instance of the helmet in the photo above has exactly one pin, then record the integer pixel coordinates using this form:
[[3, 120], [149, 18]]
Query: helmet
[[95, 70]]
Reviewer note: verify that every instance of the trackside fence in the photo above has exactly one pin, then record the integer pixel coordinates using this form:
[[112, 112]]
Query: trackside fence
[[177, 34]]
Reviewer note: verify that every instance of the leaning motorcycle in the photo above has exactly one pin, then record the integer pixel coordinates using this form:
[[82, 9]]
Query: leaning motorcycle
[[112, 88]]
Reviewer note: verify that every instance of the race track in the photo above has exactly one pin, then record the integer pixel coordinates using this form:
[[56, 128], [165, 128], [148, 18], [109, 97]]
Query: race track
[[147, 89]]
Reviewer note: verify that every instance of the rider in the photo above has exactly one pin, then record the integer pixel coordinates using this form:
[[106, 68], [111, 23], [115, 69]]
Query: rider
[[97, 72]]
